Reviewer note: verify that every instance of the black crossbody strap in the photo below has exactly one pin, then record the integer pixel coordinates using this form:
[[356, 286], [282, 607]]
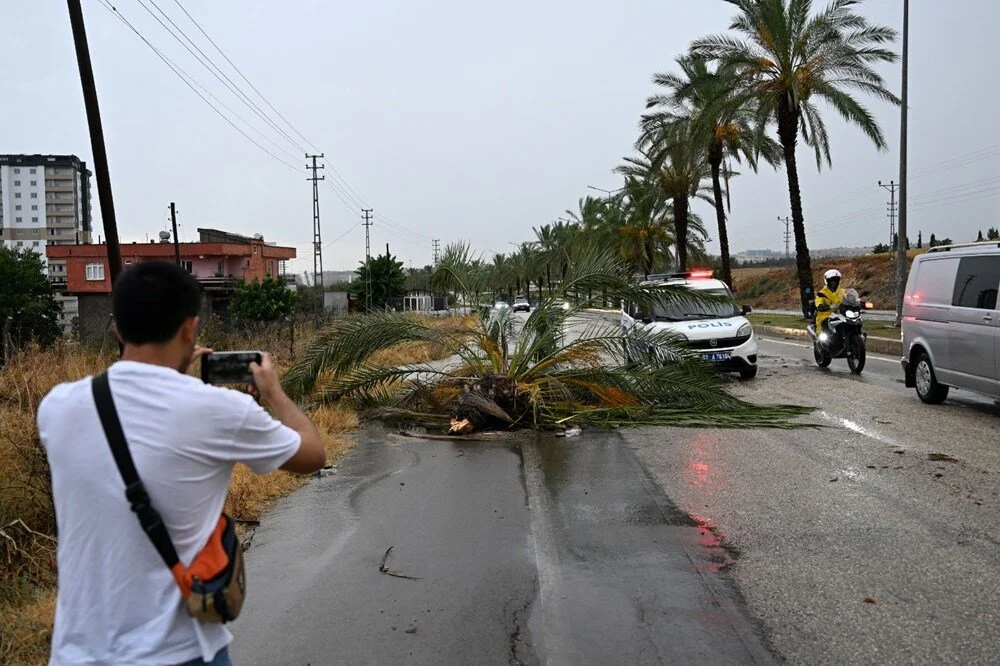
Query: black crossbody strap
[[135, 492]]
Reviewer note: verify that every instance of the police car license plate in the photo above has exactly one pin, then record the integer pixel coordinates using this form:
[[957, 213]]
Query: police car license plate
[[716, 357]]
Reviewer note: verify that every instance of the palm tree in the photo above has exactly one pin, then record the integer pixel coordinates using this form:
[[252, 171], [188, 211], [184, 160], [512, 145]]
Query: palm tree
[[675, 163], [788, 58], [722, 123]]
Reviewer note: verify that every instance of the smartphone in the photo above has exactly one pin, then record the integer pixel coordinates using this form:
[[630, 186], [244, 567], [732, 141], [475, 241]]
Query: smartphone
[[229, 367]]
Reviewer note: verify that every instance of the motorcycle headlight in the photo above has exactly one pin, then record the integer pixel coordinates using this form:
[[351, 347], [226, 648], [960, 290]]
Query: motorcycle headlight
[[853, 314], [745, 329]]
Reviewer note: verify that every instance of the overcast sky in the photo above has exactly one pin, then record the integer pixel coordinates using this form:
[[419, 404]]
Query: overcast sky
[[459, 120]]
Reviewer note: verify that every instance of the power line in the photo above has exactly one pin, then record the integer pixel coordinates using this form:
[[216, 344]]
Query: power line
[[238, 71], [217, 72], [184, 76], [343, 235]]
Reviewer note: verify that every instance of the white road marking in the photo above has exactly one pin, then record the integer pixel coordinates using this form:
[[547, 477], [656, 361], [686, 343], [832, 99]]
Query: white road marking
[[871, 357], [861, 430]]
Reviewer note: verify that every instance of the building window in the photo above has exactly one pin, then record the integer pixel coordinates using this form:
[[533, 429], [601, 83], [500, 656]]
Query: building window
[[17, 195], [34, 195], [52, 232], [34, 232], [34, 219], [32, 171], [17, 206], [17, 183], [95, 272], [34, 206], [17, 170], [34, 243], [188, 266], [20, 243], [18, 219], [255, 249], [34, 183]]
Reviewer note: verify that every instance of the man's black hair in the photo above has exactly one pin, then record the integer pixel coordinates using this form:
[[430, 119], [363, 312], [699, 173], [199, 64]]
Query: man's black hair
[[151, 301]]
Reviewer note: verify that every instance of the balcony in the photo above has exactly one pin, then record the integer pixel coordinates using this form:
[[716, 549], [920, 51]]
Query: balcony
[[57, 281], [218, 283]]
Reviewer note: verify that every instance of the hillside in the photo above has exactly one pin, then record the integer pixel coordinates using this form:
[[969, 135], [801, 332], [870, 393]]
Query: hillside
[[777, 288]]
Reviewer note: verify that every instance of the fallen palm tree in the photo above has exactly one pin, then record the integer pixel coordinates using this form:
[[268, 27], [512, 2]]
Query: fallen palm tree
[[565, 364]]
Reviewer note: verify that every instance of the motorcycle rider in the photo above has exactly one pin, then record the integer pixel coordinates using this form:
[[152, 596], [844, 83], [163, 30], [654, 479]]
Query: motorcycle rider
[[828, 299]]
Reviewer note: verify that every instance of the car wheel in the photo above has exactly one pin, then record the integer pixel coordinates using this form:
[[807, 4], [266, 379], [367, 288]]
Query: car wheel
[[928, 389], [748, 372]]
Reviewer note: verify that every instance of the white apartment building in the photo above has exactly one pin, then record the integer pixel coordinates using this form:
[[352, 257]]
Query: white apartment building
[[45, 200]]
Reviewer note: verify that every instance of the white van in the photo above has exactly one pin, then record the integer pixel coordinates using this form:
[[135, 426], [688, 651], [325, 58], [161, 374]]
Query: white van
[[951, 325], [719, 331]]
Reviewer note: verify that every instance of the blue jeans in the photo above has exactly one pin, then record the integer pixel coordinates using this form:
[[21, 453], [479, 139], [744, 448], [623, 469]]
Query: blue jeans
[[221, 658]]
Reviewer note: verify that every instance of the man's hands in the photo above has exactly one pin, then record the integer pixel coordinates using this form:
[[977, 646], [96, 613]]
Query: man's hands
[[196, 355], [266, 382]]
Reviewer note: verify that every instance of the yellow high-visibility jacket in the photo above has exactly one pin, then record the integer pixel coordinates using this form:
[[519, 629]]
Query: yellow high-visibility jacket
[[832, 301]]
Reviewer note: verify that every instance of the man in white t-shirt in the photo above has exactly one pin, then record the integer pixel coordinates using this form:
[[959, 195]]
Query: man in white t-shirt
[[118, 603]]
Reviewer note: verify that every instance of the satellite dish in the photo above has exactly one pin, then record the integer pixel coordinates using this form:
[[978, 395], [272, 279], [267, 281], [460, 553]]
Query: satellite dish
[[259, 236], [164, 235]]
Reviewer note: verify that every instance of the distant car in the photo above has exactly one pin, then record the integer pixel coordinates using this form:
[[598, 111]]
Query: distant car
[[521, 304], [500, 305]]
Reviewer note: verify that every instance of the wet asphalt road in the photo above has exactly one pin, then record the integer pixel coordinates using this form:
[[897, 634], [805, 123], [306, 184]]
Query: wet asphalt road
[[843, 544], [541, 550], [854, 545]]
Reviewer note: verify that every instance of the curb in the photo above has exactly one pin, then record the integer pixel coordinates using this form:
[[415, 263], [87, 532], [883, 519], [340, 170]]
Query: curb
[[875, 345]]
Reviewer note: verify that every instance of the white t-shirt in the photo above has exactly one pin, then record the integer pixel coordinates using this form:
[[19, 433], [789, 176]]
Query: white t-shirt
[[117, 601]]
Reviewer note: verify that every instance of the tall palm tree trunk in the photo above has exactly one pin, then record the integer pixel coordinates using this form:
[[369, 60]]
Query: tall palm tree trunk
[[715, 159], [681, 232], [788, 125]]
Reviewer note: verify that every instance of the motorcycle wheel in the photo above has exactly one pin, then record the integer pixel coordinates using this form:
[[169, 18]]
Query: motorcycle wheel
[[822, 356], [856, 354]]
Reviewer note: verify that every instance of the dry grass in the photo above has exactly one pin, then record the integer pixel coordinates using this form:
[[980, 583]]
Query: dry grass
[[777, 288]]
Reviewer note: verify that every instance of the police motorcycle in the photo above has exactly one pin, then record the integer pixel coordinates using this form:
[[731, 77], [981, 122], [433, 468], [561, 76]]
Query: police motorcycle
[[843, 336]]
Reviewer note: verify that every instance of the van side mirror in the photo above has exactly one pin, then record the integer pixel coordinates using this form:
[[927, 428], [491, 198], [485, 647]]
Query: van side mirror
[[747, 309]]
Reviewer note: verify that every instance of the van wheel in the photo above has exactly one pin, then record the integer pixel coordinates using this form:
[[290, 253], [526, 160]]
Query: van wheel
[[749, 372], [928, 389]]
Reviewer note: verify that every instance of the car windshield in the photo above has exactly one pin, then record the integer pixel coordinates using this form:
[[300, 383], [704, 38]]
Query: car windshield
[[520, 299], [683, 310]]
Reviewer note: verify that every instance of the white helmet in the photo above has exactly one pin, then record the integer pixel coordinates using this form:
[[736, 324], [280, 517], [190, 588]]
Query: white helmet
[[831, 274]]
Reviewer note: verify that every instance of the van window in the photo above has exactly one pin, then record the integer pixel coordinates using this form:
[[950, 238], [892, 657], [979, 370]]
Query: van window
[[977, 282], [935, 281]]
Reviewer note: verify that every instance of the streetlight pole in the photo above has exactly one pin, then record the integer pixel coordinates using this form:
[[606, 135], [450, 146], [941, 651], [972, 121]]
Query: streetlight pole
[[901, 245]]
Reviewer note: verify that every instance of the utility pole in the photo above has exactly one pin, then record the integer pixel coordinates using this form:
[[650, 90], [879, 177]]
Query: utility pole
[[787, 221], [892, 187], [904, 112], [436, 244], [367, 214], [101, 172], [177, 245], [388, 276], [317, 237]]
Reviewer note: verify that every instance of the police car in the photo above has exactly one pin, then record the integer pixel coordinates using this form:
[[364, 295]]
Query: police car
[[719, 331]]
